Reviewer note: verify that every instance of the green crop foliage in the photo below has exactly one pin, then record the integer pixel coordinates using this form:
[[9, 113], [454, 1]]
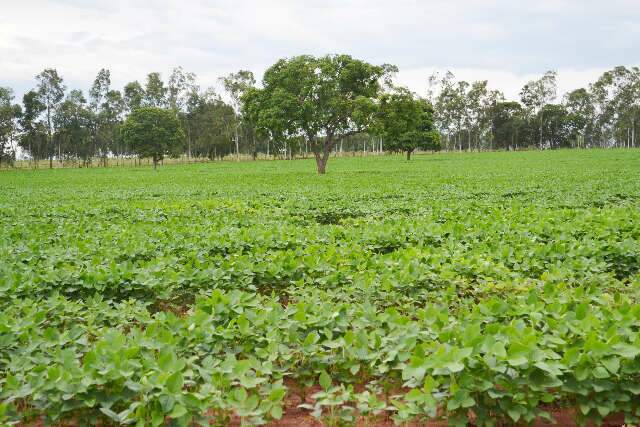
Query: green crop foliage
[[486, 286]]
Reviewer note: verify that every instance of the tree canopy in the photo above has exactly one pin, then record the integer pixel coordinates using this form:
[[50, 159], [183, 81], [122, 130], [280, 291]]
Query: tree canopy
[[153, 132], [9, 114], [322, 100], [405, 122]]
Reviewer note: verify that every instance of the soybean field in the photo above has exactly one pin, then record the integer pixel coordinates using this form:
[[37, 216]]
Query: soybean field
[[473, 288]]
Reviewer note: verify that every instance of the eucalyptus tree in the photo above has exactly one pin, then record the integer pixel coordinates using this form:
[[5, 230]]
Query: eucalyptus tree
[[33, 136], [236, 85], [107, 106], [133, 96], [322, 100], [603, 93], [182, 89], [51, 92], [111, 117], [9, 114], [558, 127], [535, 95], [579, 104], [211, 122], [73, 119], [180, 84], [97, 96], [629, 107], [507, 124], [483, 101], [478, 101], [99, 89], [616, 96], [155, 92], [405, 122], [449, 102]]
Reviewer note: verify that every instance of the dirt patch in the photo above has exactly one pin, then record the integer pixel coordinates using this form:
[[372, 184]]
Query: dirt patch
[[297, 417]]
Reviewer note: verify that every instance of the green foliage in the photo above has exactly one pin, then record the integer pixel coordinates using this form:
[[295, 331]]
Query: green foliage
[[155, 92], [406, 123], [211, 123], [502, 285], [322, 100], [9, 114], [153, 132], [508, 125]]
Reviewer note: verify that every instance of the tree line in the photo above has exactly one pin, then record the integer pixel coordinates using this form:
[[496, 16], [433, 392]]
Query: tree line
[[606, 114], [307, 106]]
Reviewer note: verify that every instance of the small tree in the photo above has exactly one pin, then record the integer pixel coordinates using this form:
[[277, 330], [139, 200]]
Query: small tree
[[322, 100], [153, 132], [406, 122]]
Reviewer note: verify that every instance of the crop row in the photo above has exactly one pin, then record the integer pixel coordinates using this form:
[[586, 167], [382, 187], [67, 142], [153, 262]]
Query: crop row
[[234, 351], [174, 259]]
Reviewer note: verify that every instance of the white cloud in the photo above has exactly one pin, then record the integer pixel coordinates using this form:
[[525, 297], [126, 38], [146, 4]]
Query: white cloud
[[503, 41]]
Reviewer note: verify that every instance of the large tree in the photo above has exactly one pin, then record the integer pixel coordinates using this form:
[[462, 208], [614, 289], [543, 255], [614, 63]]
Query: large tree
[[153, 132], [405, 122], [322, 100]]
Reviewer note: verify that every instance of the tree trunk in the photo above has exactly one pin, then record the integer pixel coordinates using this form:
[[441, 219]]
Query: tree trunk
[[51, 149], [188, 143], [237, 145], [321, 164], [255, 146], [323, 157], [541, 126], [408, 155]]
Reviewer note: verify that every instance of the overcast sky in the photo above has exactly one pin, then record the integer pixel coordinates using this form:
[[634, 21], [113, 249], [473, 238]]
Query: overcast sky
[[507, 42]]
